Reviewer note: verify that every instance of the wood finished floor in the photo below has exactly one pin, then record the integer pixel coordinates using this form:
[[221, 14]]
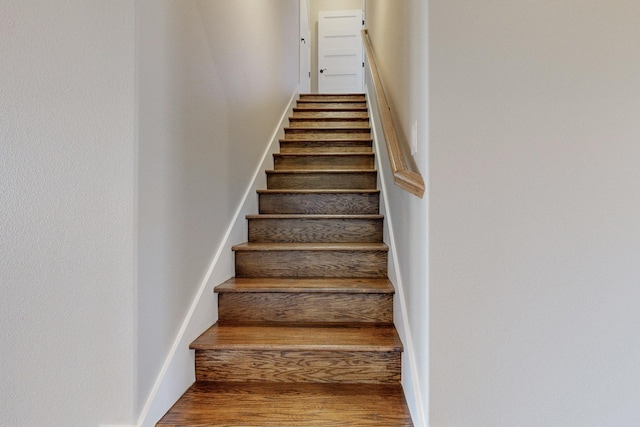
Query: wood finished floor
[[289, 405]]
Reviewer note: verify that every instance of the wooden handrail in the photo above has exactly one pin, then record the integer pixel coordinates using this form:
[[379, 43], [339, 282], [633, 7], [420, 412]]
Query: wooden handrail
[[404, 175]]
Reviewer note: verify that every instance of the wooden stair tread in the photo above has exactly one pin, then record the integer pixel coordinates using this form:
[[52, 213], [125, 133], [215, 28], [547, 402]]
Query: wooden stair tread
[[302, 285], [289, 405], [352, 247], [333, 125], [329, 138], [331, 100], [313, 216], [330, 127], [325, 96], [325, 154], [318, 171], [332, 103], [318, 191], [299, 337]]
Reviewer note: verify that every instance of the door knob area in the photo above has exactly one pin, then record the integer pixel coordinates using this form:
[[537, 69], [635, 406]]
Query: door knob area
[[322, 71]]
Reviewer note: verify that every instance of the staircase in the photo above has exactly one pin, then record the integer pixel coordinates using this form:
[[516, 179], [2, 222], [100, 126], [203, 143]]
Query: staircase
[[305, 335]]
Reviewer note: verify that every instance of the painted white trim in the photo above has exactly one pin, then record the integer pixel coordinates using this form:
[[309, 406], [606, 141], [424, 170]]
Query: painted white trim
[[409, 351], [150, 410]]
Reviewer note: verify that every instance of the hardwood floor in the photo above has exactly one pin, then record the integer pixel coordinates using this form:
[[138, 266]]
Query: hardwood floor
[[289, 405], [305, 335]]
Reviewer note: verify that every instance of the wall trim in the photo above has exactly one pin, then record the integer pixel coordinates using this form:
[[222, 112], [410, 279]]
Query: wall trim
[[407, 337], [166, 380]]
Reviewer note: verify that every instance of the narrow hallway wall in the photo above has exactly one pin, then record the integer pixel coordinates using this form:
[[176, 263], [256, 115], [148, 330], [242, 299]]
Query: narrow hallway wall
[[67, 209], [398, 32], [213, 79], [535, 213]]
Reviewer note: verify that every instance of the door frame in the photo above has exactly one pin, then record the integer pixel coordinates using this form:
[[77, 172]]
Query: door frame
[[304, 76]]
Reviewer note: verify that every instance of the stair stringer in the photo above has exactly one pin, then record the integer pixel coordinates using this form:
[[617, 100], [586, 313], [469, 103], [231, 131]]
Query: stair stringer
[[410, 379], [178, 370]]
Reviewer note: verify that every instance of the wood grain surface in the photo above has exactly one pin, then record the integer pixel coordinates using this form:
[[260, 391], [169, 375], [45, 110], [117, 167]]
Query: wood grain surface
[[333, 106], [329, 115], [324, 202], [299, 337], [322, 179], [338, 367], [305, 307], [289, 285], [290, 405], [288, 260], [305, 335], [315, 228], [351, 97], [324, 161], [326, 145]]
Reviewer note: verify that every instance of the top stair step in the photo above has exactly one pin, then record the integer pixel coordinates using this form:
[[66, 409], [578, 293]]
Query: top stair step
[[348, 97]]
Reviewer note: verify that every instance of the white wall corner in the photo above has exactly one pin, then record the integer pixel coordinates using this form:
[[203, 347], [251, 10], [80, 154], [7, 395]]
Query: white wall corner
[[410, 379], [177, 372]]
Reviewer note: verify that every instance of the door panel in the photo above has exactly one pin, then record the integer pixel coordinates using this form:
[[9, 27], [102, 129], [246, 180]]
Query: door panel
[[340, 52]]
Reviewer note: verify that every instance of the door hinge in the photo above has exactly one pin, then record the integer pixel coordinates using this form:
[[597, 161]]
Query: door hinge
[[363, 65], [363, 22]]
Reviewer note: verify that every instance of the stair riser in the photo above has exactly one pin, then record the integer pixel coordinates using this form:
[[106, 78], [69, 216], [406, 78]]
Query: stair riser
[[329, 115], [366, 264], [323, 204], [305, 307], [324, 132], [300, 146], [322, 181], [298, 366], [325, 125], [364, 161], [315, 230]]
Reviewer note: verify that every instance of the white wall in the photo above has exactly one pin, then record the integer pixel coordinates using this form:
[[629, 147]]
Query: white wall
[[316, 6], [214, 78], [535, 213], [398, 32], [67, 157]]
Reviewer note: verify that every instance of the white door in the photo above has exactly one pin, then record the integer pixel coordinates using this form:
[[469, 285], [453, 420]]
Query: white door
[[305, 48], [340, 66]]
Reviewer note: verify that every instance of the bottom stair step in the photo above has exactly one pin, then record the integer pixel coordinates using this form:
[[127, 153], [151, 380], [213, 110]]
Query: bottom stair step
[[287, 405]]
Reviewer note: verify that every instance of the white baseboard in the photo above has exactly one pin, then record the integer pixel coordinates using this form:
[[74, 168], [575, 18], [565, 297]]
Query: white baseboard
[[177, 372], [411, 384]]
